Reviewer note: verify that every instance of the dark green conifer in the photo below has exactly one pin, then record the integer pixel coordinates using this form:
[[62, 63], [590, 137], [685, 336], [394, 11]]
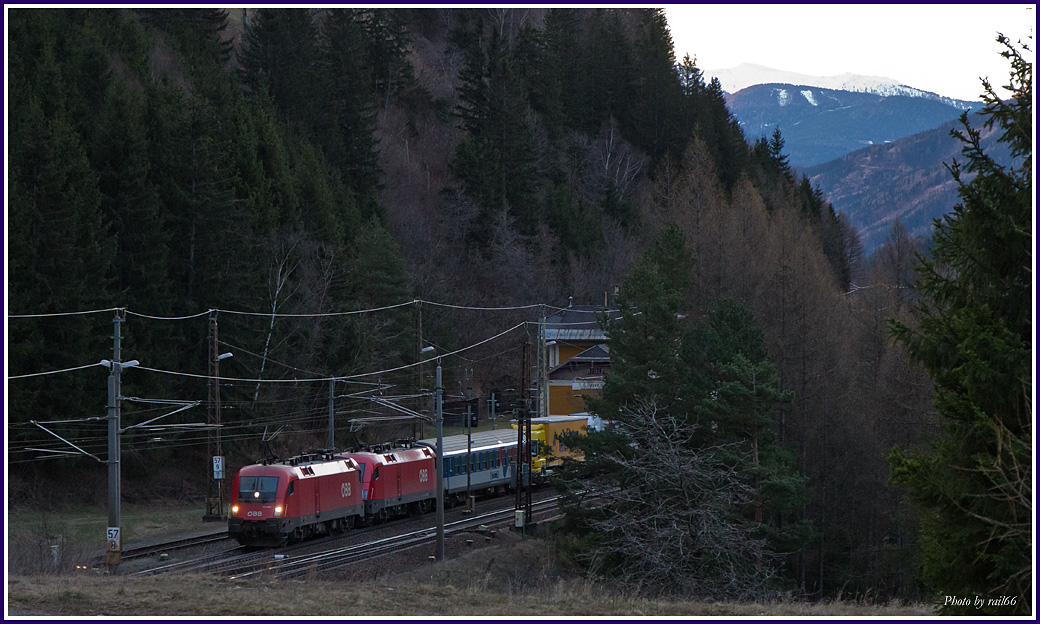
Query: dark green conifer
[[975, 337]]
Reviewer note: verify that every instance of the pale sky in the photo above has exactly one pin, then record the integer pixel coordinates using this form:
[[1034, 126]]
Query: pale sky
[[942, 48]]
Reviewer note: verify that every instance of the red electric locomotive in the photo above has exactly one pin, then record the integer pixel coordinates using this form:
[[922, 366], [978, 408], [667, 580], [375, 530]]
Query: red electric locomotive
[[324, 492], [396, 480], [293, 499]]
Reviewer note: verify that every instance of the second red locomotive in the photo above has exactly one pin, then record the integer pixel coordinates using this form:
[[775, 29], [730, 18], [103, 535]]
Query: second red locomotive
[[396, 481]]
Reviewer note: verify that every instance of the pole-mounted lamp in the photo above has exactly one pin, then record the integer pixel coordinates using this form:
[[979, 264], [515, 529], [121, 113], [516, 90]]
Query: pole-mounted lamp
[[114, 550]]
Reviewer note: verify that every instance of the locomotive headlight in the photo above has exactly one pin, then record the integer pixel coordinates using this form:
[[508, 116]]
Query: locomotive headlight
[[234, 510], [277, 511]]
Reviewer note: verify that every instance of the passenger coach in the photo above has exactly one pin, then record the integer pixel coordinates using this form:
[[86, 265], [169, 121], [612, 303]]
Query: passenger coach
[[490, 462]]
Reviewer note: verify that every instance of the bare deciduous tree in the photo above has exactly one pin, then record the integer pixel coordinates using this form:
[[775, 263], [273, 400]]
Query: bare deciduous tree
[[668, 517]]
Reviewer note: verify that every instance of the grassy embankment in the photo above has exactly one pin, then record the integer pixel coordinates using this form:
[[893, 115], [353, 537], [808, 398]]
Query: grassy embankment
[[510, 577]]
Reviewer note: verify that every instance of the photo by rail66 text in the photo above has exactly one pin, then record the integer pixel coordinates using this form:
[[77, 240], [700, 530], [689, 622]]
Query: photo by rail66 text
[[979, 601]]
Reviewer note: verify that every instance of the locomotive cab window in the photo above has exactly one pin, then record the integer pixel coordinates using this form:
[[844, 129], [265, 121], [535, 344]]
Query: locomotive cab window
[[289, 490], [257, 489]]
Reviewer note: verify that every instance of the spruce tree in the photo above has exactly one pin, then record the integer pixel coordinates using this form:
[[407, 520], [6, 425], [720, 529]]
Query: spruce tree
[[350, 143], [777, 156], [974, 486], [655, 97], [643, 341], [715, 382], [280, 56]]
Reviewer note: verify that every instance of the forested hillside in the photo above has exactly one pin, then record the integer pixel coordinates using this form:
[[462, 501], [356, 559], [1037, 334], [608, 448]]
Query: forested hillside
[[907, 179], [268, 173]]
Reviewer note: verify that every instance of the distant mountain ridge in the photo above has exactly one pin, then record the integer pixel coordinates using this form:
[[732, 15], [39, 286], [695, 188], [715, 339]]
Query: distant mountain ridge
[[906, 179], [746, 75], [874, 147], [820, 124]]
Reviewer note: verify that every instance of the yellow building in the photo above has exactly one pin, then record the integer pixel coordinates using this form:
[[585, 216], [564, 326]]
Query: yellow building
[[577, 355]]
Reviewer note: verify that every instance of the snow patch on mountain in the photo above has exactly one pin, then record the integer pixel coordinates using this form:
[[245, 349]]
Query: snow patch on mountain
[[807, 94], [750, 74], [781, 97]]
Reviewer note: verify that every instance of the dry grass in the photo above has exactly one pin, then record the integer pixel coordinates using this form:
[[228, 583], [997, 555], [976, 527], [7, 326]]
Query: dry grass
[[79, 532], [85, 525], [512, 578], [503, 576], [91, 595]]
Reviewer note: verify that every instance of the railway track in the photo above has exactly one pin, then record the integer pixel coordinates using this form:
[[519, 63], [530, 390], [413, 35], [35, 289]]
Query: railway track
[[290, 567], [151, 550], [327, 553]]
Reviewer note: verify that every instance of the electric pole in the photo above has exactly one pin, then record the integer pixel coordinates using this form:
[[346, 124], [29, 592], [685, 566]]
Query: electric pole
[[332, 414], [439, 407], [469, 458], [523, 444], [215, 491], [114, 550]]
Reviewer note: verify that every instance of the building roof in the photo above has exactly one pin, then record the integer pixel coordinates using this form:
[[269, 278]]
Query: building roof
[[596, 354], [578, 323]]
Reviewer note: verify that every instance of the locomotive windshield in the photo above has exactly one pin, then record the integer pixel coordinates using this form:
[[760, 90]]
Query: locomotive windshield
[[257, 489]]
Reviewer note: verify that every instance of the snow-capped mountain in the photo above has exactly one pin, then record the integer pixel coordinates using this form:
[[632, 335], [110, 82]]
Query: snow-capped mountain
[[750, 74], [820, 124]]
